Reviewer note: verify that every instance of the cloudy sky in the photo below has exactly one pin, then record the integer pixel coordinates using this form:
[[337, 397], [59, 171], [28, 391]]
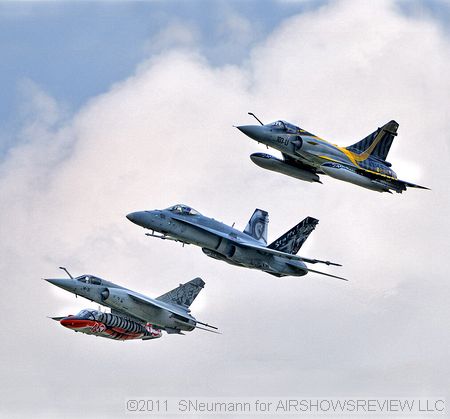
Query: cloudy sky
[[113, 107]]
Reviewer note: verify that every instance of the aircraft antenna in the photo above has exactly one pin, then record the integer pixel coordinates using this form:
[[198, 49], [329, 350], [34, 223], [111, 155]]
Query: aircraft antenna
[[66, 271], [254, 116]]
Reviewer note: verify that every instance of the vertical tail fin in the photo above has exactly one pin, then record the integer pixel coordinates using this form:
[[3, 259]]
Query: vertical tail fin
[[185, 294], [257, 225], [376, 144], [292, 241]]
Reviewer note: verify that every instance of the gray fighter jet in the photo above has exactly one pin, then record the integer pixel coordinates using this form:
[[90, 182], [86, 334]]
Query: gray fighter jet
[[133, 315], [306, 156], [248, 249]]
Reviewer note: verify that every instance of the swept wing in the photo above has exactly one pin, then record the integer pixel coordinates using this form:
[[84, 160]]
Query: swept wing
[[177, 310], [380, 176], [265, 250]]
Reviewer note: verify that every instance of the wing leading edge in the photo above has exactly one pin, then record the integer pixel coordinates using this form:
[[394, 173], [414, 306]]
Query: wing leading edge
[[172, 309], [262, 249]]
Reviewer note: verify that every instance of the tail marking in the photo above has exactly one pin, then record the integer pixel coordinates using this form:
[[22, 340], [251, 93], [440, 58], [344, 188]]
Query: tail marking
[[185, 294], [376, 144], [257, 225], [292, 240]]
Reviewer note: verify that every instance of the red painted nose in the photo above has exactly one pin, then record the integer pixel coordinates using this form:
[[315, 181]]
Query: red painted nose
[[74, 323]]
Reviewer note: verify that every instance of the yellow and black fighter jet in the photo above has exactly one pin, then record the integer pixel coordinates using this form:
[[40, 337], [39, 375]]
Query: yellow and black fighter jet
[[306, 156]]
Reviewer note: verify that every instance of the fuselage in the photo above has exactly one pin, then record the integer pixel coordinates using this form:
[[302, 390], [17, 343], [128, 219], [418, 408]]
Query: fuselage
[[118, 298], [184, 224], [306, 156], [296, 142], [108, 325]]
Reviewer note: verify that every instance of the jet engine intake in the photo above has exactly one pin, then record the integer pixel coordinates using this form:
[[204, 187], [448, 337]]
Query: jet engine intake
[[104, 294], [298, 143], [115, 297], [226, 248], [213, 254]]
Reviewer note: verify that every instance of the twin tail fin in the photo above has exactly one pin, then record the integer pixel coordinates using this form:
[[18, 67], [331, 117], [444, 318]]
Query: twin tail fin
[[292, 241]]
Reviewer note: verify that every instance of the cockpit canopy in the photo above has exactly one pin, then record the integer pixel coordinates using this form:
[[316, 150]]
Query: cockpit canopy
[[183, 209], [89, 279], [284, 126], [88, 314]]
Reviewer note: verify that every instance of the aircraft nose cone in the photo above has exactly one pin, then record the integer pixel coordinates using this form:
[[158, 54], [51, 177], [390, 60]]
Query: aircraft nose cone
[[53, 281], [69, 322], [141, 218], [66, 284], [252, 131], [73, 322], [135, 217]]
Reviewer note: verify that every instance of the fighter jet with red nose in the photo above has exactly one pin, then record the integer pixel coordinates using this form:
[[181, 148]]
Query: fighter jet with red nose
[[133, 315], [109, 325], [306, 156]]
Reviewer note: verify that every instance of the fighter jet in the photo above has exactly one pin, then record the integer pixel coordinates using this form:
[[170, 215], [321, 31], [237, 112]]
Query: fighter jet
[[108, 325], [306, 156], [133, 315], [247, 249]]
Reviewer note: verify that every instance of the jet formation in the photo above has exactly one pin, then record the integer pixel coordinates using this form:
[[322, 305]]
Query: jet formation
[[247, 249], [306, 156], [133, 315]]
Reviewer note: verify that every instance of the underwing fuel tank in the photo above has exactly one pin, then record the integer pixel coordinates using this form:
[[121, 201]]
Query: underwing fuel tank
[[269, 162], [341, 172]]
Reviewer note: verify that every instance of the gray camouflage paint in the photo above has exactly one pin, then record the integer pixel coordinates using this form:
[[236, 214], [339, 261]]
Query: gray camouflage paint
[[169, 312], [219, 241]]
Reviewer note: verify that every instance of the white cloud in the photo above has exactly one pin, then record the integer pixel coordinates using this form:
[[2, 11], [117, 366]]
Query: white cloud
[[165, 135], [236, 32], [176, 34]]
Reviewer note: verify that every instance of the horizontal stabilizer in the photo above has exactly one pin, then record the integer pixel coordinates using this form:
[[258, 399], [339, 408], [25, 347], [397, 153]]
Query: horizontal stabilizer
[[325, 262], [207, 328], [413, 185], [323, 273]]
